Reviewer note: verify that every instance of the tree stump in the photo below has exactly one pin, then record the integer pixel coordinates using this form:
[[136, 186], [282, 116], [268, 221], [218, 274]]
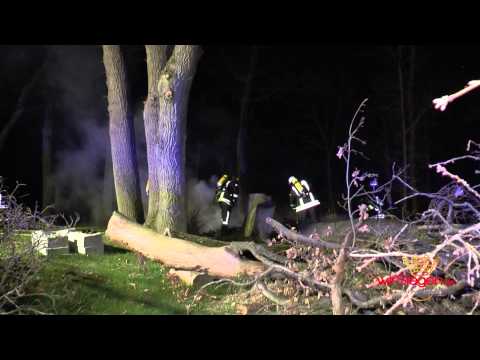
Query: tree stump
[[253, 201]]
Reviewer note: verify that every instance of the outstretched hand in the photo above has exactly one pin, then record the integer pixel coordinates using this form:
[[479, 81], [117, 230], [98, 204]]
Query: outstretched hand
[[441, 103]]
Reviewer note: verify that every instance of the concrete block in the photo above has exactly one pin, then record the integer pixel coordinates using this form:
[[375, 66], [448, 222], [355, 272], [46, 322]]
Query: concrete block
[[91, 250], [85, 243], [54, 251], [85, 239]]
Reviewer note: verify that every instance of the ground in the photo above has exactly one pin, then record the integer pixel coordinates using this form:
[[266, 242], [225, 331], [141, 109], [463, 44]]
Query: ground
[[117, 283]]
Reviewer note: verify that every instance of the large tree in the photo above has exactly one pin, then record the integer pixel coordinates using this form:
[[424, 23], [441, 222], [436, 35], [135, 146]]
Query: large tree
[[122, 139], [414, 103], [242, 160], [170, 75]]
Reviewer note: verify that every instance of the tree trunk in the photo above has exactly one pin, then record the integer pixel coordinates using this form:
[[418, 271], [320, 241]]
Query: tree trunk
[[21, 103], [122, 139], [412, 123], [242, 161], [168, 208], [403, 117], [180, 254], [156, 59], [47, 190]]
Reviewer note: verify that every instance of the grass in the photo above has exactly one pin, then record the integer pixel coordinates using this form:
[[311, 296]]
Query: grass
[[115, 284]]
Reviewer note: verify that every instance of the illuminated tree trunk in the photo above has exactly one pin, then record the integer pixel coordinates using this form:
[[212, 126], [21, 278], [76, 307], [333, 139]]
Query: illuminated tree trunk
[[166, 140], [156, 59], [122, 139]]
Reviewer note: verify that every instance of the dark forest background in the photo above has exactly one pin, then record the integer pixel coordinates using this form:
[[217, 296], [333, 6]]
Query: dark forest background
[[54, 119]]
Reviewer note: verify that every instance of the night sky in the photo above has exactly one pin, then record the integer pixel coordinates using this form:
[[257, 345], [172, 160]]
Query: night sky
[[292, 85]]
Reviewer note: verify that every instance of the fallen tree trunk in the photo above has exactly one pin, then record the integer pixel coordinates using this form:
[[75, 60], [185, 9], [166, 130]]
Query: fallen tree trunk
[[224, 261]]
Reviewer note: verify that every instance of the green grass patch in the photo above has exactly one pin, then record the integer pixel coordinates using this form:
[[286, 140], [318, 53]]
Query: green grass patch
[[116, 284]]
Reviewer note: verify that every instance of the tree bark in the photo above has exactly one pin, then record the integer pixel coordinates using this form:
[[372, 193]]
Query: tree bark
[[122, 139], [168, 208], [156, 59], [222, 261]]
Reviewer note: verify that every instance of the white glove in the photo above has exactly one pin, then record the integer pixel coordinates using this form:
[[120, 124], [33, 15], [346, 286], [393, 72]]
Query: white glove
[[441, 103]]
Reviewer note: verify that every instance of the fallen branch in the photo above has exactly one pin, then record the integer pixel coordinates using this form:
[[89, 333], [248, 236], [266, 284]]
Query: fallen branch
[[299, 238], [270, 295], [397, 294]]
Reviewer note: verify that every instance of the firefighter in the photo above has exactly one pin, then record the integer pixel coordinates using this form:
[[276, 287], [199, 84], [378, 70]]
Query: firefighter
[[227, 194], [301, 198]]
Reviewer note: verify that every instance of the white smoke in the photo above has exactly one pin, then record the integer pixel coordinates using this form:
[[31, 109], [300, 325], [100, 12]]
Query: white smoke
[[79, 176], [84, 180]]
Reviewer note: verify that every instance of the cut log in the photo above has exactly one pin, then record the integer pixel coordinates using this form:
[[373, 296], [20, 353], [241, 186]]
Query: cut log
[[253, 201], [223, 262]]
